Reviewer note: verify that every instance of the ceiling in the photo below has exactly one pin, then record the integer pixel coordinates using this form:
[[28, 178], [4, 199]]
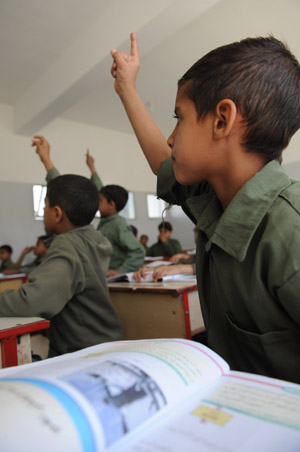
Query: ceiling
[[55, 59]]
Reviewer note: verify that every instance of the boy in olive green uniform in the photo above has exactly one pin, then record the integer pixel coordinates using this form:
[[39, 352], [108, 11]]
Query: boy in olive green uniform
[[5, 256], [40, 249], [128, 253], [69, 285], [166, 246], [236, 110]]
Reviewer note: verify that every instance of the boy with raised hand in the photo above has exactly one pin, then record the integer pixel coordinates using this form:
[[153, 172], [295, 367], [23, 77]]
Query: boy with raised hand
[[128, 253], [69, 285], [236, 110]]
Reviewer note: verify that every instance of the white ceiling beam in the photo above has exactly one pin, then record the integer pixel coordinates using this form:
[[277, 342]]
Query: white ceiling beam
[[76, 72]]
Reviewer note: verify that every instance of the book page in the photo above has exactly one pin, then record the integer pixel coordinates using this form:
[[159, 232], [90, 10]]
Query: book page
[[123, 384], [242, 413]]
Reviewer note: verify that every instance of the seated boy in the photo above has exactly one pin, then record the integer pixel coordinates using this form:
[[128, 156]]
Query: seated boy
[[165, 246], [128, 253], [40, 249], [69, 286], [5, 256], [236, 110], [144, 240]]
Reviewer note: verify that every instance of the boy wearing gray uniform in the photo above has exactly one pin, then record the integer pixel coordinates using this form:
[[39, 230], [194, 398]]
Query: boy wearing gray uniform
[[69, 286]]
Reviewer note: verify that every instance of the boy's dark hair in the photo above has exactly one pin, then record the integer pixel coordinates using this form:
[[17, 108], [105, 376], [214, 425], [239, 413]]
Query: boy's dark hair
[[262, 77], [117, 194], [46, 239], [7, 248], [165, 225], [76, 195]]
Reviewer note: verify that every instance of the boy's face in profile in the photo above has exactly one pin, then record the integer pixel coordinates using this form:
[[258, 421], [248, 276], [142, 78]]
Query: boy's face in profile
[[105, 207], [49, 217], [191, 142], [40, 249], [4, 255]]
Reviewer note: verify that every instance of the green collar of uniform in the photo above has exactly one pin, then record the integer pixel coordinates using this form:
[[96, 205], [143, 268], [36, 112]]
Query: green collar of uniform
[[233, 229], [104, 220]]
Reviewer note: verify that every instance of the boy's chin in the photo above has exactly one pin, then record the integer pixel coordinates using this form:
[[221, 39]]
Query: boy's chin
[[181, 178]]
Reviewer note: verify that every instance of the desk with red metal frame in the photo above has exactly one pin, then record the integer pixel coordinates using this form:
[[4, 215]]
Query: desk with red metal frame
[[157, 310], [12, 281], [11, 328]]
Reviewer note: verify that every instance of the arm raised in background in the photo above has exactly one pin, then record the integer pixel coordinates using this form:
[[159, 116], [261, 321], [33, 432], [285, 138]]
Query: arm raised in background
[[90, 161], [124, 70], [43, 150]]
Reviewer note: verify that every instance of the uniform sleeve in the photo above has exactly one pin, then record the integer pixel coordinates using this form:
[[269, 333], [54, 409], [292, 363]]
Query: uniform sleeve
[[50, 286], [166, 183], [97, 181], [135, 253], [52, 174]]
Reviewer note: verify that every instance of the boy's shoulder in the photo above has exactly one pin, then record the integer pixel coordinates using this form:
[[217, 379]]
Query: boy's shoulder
[[292, 195], [77, 237]]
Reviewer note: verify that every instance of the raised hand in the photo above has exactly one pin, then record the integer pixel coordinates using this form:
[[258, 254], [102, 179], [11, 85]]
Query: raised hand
[[125, 67], [90, 161], [43, 150]]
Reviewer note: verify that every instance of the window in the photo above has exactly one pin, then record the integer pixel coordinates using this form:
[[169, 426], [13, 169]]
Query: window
[[129, 210], [39, 193], [155, 207]]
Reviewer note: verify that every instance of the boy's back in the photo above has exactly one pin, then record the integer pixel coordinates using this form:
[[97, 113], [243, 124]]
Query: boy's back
[[69, 286], [89, 316]]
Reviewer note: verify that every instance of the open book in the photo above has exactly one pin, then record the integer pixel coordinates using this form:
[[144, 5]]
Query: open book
[[145, 396], [128, 277]]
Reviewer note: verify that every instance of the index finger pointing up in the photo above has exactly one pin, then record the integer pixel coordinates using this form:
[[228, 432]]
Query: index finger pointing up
[[134, 47]]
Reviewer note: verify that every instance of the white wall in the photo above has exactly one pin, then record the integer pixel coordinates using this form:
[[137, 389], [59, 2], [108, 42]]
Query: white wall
[[118, 160], [118, 155]]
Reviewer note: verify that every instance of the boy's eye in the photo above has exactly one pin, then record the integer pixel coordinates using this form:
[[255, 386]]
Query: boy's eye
[[176, 117]]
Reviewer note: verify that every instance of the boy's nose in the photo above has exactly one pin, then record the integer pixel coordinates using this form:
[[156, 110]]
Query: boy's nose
[[170, 140]]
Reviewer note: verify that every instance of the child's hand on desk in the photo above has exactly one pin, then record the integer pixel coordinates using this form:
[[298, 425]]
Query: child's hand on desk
[[176, 257], [111, 272], [141, 273]]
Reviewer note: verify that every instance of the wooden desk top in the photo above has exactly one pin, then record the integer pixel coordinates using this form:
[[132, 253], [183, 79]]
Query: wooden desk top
[[173, 288], [4, 277], [21, 325]]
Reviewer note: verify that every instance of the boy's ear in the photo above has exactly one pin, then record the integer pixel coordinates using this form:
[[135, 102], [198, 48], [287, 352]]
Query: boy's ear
[[59, 213], [113, 204], [225, 116]]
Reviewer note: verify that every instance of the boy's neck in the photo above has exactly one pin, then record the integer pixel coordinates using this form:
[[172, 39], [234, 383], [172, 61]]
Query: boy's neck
[[109, 214], [239, 170]]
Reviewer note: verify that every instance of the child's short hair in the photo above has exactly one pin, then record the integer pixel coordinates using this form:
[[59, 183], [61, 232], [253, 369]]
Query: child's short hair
[[6, 248], [117, 194], [76, 195], [46, 239], [262, 77], [165, 225]]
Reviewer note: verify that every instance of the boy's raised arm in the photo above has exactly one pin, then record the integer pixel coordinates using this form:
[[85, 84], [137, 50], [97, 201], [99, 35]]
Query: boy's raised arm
[[124, 70], [43, 150]]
